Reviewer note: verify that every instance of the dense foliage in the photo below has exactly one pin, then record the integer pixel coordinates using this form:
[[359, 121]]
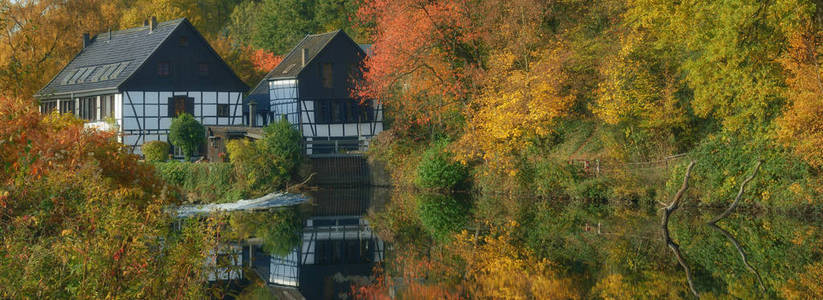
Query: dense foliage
[[156, 151], [266, 165], [187, 134], [577, 103], [438, 169], [201, 182], [82, 218], [279, 229]]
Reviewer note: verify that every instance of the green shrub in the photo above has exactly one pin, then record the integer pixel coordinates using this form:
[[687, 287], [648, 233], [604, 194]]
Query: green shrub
[[156, 151], [267, 164], [202, 182], [442, 215], [254, 170], [283, 143], [439, 170], [187, 134]]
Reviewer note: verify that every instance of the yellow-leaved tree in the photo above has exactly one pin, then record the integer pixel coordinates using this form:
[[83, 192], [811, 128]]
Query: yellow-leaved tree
[[498, 268], [38, 37], [520, 100]]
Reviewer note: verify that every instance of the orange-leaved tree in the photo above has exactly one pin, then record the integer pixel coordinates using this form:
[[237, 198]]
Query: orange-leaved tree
[[801, 125], [81, 218], [423, 56]]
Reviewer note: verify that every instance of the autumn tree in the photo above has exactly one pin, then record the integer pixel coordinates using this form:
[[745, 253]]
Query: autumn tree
[[424, 55], [82, 218], [208, 16], [731, 47], [642, 93], [281, 24], [801, 126], [38, 37]]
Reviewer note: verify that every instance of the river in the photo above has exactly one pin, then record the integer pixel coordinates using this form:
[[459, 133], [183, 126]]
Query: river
[[605, 252]]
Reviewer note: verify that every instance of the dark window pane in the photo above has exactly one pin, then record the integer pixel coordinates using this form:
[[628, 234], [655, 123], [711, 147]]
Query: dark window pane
[[222, 110], [338, 111], [321, 111], [88, 108], [179, 106]]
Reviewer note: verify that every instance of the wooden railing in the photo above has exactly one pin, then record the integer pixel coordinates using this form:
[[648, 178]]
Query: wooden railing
[[595, 167]]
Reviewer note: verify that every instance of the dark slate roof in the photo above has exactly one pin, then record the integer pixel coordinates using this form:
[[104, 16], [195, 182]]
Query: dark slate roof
[[107, 62], [292, 65]]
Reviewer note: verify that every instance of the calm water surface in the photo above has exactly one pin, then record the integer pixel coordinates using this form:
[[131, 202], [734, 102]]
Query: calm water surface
[[618, 253]]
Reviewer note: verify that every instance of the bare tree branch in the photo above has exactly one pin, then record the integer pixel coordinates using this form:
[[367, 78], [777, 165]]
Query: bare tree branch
[[739, 194], [667, 211]]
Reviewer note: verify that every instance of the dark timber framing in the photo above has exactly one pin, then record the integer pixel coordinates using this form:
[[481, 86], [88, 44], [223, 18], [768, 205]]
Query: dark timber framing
[[124, 65], [315, 82]]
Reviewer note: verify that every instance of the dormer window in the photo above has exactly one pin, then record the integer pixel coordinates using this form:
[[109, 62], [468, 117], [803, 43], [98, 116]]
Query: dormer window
[[163, 69], [203, 69]]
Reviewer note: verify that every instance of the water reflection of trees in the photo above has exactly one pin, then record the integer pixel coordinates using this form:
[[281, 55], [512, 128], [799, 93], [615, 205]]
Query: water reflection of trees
[[626, 258], [229, 267], [278, 229]]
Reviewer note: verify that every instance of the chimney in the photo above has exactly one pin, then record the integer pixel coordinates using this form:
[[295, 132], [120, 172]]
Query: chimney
[[152, 24], [86, 40], [305, 56], [109, 33]]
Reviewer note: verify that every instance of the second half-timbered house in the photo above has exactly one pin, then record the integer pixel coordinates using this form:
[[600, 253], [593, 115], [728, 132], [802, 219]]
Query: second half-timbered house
[[137, 80], [312, 88]]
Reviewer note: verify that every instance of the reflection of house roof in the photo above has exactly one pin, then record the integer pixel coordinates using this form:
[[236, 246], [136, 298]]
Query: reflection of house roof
[[108, 60]]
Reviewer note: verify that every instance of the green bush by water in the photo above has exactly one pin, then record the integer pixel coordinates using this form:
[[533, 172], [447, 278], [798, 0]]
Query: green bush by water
[[266, 165], [439, 170]]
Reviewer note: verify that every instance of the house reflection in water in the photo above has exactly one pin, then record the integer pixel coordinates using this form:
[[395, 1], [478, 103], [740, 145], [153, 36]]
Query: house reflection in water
[[337, 249]]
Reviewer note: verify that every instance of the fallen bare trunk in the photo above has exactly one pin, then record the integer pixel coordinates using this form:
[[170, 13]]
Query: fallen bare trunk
[[739, 194], [667, 211], [726, 213]]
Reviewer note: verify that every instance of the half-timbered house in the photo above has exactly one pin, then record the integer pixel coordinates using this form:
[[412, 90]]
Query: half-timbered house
[[138, 79], [312, 88]]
